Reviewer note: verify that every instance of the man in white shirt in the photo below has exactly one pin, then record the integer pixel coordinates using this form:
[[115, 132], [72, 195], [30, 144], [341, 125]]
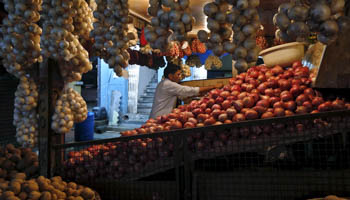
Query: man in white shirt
[[169, 89]]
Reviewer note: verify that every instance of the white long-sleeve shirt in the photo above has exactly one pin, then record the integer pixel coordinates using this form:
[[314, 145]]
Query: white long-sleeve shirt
[[166, 94]]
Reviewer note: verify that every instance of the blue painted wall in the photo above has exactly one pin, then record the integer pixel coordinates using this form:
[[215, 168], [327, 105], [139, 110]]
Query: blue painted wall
[[109, 82]]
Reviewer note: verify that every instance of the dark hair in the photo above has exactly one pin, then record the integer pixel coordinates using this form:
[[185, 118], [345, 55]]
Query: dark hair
[[171, 69]]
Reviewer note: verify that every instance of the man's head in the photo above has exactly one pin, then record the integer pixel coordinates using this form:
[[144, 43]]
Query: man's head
[[173, 72]]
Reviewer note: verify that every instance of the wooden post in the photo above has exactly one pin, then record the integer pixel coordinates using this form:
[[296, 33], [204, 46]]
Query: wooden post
[[51, 85], [44, 118]]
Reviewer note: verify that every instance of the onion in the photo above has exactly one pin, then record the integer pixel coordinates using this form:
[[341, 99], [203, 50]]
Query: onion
[[284, 84], [216, 113], [225, 94], [260, 109], [214, 93], [192, 120], [238, 117], [197, 111], [227, 121], [296, 82], [309, 91], [226, 88], [242, 95], [207, 111], [273, 100], [202, 117], [269, 92], [238, 105], [238, 82], [172, 116], [267, 115], [264, 97], [248, 102], [251, 114], [218, 123], [209, 121], [216, 106], [279, 104], [263, 103], [301, 99], [296, 64], [210, 103], [279, 112], [261, 78], [219, 100], [286, 96], [301, 110], [222, 117], [235, 93], [338, 104], [277, 70], [231, 112], [203, 106], [290, 105], [295, 90], [307, 105], [288, 113], [255, 96], [226, 104], [236, 88], [317, 101]]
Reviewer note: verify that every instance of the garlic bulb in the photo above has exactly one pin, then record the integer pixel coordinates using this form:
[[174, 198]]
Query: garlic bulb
[[25, 115], [111, 33], [70, 108], [186, 71], [20, 40], [60, 38]]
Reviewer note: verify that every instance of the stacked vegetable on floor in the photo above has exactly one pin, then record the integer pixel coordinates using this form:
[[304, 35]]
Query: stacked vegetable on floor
[[260, 93], [20, 180]]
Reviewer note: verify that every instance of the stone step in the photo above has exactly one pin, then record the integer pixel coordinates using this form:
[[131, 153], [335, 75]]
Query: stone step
[[144, 110], [152, 85], [150, 90], [144, 104], [145, 100], [147, 95]]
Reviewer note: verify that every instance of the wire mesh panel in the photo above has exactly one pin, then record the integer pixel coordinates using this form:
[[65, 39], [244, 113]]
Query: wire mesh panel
[[289, 158], [140, 167]]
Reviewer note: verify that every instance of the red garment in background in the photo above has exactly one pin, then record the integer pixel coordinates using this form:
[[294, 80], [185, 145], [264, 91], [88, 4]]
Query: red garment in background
[[143, 41]]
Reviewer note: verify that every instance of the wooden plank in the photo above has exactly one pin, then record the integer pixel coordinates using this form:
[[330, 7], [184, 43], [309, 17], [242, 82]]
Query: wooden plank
[[206, 82]]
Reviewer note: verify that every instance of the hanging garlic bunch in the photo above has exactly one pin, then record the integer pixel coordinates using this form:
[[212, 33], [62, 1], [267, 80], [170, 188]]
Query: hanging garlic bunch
[[213, 61], [83, 19], [25, 115], [246, 20], [59, 41], [219, 39], [20, 42], [111, 33], [70, 108]]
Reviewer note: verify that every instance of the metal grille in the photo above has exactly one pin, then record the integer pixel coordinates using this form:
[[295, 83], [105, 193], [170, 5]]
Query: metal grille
[[281, 158]]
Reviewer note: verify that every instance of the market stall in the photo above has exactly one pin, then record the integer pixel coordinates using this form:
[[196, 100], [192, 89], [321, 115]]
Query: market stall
[[269, 133]]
